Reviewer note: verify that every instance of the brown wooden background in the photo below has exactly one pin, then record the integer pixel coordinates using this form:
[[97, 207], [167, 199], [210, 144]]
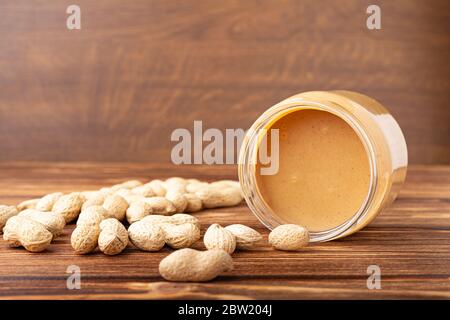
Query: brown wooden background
[[116, 89]]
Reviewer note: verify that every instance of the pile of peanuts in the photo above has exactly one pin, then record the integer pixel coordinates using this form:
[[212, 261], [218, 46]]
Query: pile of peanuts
[[158, 213]]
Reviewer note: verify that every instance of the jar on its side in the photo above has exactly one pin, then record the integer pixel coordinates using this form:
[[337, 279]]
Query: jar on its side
[[379, 133]]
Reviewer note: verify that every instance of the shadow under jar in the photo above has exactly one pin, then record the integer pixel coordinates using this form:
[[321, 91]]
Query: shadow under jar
[[341, 159]]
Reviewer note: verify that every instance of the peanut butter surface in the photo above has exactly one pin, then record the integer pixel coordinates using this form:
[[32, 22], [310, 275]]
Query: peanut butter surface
[[324, 171]]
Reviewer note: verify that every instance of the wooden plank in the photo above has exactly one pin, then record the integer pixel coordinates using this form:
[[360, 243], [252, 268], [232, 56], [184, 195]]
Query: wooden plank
[[117, 88], [410, 242]]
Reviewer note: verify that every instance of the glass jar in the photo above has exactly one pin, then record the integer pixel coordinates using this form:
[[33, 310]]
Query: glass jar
[[379, 133]]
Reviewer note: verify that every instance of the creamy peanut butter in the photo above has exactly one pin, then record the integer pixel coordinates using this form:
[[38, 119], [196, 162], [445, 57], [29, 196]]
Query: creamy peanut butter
[[324, 170]]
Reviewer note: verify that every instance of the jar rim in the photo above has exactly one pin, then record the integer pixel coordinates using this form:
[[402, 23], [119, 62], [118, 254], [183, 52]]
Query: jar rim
[[249, 151]]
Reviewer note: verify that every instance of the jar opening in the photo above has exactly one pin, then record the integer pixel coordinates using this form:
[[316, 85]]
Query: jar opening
[[307, 127]]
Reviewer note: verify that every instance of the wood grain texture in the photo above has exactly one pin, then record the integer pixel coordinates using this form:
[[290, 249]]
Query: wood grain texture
[[410, 242], [115, 90]]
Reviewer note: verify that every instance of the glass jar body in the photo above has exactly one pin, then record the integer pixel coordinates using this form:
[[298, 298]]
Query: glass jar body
[[380, 134]]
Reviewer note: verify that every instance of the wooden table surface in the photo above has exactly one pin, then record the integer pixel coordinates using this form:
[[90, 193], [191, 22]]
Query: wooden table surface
[[410, 242]]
